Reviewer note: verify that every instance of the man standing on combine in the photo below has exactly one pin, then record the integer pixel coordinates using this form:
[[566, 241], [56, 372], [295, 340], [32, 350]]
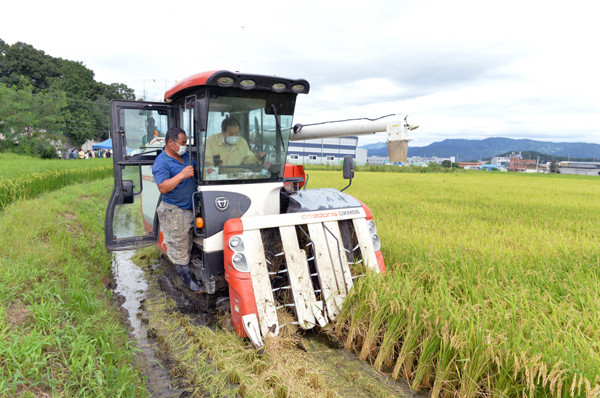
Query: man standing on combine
[[174, 175], [231, 149]]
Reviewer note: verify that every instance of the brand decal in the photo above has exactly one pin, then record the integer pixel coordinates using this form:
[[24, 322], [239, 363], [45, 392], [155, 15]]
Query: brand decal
[[349, 212], [332, 214], [222, 203]]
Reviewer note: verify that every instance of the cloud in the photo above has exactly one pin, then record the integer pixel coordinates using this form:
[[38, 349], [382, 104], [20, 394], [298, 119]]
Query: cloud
[[460, 69]]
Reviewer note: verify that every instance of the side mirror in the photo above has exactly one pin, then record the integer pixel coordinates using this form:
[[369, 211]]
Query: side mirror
[[200, 113], [348, 170], [348, 167]]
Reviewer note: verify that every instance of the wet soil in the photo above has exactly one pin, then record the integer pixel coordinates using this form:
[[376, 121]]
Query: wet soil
[[351, 376], [130, 289], [358, 377]]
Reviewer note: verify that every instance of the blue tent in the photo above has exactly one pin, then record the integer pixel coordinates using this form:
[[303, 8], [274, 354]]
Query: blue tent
[[103, 145], [491, 167]]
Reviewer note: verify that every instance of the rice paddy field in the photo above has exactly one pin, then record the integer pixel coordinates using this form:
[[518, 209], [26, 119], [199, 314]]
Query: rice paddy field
[[492, 286], [23, 177]]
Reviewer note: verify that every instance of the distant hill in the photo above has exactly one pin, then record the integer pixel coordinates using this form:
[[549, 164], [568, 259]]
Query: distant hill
[[484, 149]]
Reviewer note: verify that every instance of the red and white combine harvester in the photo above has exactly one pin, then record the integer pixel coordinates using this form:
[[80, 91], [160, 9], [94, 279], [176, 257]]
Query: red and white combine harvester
[[260, 234]]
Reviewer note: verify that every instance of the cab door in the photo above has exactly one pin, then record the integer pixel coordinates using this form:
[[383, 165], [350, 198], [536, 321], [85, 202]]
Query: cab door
[[138, 130]]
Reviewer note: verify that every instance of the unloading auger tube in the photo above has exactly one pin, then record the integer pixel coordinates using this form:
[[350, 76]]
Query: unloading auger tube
[[395, 126]]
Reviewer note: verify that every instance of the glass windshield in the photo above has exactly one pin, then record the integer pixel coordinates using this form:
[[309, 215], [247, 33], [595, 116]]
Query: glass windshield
[[247, 136]]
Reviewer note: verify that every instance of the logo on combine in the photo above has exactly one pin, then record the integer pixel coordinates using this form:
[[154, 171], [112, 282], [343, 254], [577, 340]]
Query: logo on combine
[[340, 213], [222, 203], [320, 215]]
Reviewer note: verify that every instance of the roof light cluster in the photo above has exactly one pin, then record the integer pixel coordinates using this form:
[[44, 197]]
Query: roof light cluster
[[249, 84]]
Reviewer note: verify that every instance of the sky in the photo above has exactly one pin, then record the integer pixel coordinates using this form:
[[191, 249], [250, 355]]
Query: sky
[[468, 69]]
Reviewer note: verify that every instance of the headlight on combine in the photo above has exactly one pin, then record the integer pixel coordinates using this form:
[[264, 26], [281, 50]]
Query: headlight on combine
[[298, 88], [372, 227], [279, 87], [247, 84], [236, 244], [374, 236], [225, 81], [376, 242], [239, 262]]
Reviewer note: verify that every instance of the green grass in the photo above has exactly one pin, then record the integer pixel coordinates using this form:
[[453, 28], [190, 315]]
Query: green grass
[[23, 177], [492, 284], [59, 332]]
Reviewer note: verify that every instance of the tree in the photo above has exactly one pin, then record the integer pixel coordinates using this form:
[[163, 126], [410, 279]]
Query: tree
[[21, 59], [107, 93], [446, 163], [117, 91], [84, 110], [29, 121], [77, 82]]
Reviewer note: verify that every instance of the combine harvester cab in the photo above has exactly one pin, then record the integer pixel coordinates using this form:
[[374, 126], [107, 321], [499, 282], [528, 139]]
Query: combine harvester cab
[[259, 235]]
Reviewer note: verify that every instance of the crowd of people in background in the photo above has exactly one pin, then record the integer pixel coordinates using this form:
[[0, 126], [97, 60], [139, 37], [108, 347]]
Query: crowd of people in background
[[74, 153]]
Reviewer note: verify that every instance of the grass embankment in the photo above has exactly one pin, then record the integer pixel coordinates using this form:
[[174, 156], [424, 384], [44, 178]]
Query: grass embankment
[[23, 177], [492, 285], [60, 335]]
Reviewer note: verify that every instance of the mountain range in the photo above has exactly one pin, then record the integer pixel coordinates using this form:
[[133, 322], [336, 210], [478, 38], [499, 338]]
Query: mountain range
[[487, 148]]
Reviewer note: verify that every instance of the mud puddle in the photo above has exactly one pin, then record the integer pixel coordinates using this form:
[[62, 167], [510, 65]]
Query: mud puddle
[[132, 287]]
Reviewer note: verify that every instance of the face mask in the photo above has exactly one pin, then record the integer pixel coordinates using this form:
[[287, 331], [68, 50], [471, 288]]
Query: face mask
[[231, 140], [182, 149]]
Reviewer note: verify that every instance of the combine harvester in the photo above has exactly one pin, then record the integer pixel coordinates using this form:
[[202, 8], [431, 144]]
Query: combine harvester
[[260, 235]]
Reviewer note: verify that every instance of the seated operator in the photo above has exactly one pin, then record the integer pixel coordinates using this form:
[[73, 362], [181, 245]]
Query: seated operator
[[232, 149]]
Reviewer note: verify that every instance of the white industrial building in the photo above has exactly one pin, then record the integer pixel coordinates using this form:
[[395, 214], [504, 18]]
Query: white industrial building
[[501, 160], [430, 159], [378, 160], [580, 168], [326, 151]]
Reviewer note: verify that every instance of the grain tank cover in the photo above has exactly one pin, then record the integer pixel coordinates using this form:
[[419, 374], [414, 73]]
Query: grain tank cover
[[320, 199]]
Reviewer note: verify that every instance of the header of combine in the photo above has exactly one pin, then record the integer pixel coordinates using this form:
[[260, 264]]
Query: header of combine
[[272, 249]]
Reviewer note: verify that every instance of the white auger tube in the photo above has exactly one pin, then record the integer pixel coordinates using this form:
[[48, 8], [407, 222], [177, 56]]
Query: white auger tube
[[395, 126]]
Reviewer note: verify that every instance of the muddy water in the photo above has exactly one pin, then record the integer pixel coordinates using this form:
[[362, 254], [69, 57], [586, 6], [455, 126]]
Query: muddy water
[[132, 286]]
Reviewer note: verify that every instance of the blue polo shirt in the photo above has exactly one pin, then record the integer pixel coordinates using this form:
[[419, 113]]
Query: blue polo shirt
[[164, 168]]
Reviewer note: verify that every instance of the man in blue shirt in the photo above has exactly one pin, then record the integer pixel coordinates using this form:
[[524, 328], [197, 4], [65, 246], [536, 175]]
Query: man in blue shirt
[[173, 172]]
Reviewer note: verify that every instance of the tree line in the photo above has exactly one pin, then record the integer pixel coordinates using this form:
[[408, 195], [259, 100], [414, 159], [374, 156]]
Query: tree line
[[48, 103]]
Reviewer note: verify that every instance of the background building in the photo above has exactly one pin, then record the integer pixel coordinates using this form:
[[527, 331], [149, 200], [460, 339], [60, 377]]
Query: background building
[[501, 161], [430, 159], [518, 164], [581, 168], [378, 160], [326, 151]]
